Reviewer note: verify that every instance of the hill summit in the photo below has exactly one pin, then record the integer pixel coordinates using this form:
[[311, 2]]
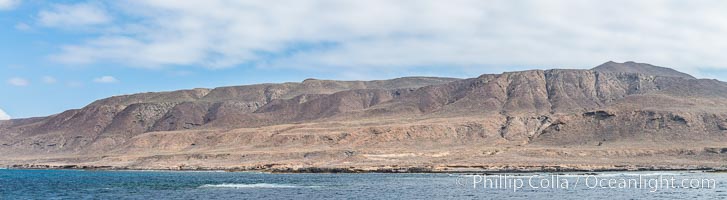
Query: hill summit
[[640, 68]]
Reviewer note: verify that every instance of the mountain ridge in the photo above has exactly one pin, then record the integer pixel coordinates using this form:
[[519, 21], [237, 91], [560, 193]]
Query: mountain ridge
[[640, 68], [521, 113]]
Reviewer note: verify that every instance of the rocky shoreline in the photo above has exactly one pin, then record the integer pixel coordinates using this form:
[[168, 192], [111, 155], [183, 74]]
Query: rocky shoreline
[[385, 169]]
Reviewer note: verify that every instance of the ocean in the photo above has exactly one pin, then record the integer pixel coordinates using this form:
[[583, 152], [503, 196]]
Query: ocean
[[80, 184]]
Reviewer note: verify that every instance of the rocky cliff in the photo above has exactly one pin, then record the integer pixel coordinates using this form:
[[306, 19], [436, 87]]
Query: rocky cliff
[[614, 115]]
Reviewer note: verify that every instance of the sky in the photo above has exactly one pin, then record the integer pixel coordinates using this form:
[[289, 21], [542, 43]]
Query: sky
[[59, 55]]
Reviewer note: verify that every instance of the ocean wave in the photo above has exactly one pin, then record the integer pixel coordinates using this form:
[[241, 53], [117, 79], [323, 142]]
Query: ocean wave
[[654, 174], [610, 174], [255, 185], [568, 175]]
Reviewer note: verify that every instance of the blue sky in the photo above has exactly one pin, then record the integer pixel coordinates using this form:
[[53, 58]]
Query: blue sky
[[58, 55]]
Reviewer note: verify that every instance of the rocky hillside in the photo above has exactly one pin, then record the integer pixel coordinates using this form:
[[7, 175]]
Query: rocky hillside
[[226, 107], [636, 109]]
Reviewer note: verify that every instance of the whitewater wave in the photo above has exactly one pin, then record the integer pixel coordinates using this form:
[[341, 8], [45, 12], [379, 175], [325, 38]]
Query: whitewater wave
[[654, 174], [568, 175], [256, 185], [623, 174]]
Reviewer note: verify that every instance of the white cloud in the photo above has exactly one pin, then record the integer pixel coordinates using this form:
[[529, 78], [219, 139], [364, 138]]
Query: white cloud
[[9, 4], [49, 79], [382, 34], [73, 15], [74, 84], [105, 79], [18, 82], [22, 26], [3, 115]]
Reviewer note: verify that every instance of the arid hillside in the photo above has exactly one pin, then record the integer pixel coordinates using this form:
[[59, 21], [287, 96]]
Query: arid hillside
[[614, 116]]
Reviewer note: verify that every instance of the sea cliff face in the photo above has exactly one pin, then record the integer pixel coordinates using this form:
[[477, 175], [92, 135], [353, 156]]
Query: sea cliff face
[[614, 116]]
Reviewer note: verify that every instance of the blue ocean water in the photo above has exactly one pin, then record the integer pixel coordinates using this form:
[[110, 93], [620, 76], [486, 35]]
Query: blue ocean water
[[79, 184]]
